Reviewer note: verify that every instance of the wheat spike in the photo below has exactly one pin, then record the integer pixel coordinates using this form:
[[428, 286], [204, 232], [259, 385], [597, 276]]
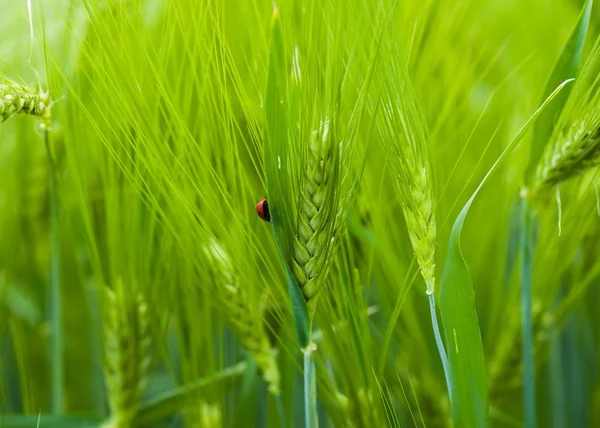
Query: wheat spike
[[575, 151], [19, 99], [406, 142], [418, 206], [242, 315], [314, 218], [127, 354]]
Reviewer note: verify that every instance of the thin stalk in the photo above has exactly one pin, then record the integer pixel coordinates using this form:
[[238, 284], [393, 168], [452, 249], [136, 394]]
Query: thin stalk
[[304, 333], [526, 319], [310, 388], [56, 339], [438, 341]]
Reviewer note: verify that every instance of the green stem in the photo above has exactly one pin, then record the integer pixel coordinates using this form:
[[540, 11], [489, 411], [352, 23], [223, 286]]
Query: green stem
[[56, 339], [439, 342], [526, 319], [311, 419], [304, 333]]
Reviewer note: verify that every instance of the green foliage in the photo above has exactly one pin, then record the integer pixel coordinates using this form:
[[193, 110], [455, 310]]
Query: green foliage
[[138, 287]]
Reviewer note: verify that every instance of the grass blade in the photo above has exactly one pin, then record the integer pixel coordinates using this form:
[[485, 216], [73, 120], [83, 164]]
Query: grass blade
[[567, 67], [467, 385]]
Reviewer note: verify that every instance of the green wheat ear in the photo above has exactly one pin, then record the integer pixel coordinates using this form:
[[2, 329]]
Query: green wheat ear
[[127, 353], [404, 134], [20, 99], [316, 216], [576, 150], [574, 147], [244, 317]]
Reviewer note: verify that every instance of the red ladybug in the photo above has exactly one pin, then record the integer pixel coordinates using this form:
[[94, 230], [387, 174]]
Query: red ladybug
[[262, 209]]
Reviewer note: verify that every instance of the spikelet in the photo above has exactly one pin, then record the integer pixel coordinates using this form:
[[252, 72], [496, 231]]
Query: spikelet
[[127, 353], [316, 215], [242, 315], [20, 99]]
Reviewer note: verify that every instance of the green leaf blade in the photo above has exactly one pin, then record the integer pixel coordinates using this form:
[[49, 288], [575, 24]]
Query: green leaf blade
[[467, 383], [278, 161]]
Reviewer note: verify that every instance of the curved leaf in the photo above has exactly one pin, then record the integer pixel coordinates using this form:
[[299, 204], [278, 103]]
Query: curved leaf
[[467, 384]]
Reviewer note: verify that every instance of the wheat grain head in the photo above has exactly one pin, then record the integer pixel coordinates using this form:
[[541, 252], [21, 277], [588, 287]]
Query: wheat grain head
[[242, 315], [127, 352], [574, 146], [404, 134], [20, 99], [317, 214]]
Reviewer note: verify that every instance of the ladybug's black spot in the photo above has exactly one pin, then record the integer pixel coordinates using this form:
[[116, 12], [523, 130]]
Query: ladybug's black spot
[[266, 213]]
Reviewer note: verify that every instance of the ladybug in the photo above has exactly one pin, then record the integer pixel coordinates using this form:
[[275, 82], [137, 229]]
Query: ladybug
[[262, 209]]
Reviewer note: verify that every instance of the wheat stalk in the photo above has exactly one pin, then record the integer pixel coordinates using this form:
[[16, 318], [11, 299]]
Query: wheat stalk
[[20, 99], [242, 315], [316, 217], [127, 353]]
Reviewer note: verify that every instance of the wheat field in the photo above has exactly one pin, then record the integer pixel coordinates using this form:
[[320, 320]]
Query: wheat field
[[247, 213]]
